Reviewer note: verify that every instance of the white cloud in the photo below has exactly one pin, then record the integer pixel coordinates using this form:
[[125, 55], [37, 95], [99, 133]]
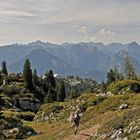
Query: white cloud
[[52, 20], [86, 33], [14, 13], [101, 35], [107, 35]]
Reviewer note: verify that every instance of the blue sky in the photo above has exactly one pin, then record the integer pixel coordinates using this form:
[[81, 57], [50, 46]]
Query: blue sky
[[60, 21]]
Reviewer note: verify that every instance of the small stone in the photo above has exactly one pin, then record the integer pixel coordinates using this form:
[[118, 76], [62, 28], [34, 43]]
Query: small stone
[[119, 133], [29, 133], [138, 132], [14, 130], [125, 138], [125, 130], [123, 106], [130, 129], [138, 120], [136, 128], [114, 135], [132, 123]]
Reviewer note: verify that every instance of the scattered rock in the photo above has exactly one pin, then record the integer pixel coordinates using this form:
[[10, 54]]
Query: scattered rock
[[138, 132], [123, 106], [109, 93], [29, 133], [14, 130]]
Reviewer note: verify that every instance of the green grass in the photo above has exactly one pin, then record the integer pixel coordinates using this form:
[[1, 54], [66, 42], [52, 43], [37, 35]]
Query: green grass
[[122, 86], [106, 113]]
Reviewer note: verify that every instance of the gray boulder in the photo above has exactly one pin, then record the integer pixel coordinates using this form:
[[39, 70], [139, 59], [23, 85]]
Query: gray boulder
[[29, 104]]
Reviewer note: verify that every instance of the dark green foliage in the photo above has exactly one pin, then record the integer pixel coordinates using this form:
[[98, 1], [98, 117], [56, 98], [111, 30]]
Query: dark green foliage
[[51, 96], [4, 101], [35, 77], [4, 68], [27, 74], [114, 75], [110, 76], [83, 107], [74, 94], [39, 93], [1, 78], [103, 87], [61, 95], [98, 100], [48, 82], [11, 90], [117, 74], [50, 79], [44, 85], [12, 78]]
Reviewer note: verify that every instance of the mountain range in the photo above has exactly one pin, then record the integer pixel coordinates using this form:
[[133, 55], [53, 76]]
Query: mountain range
[[85, 59]]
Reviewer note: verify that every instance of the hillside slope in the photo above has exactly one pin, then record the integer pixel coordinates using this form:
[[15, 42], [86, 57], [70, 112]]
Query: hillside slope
[[103, 118]]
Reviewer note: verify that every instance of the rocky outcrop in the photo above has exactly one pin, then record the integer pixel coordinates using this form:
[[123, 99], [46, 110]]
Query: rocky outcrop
[[18, 133], [121, 133], [48, 115], [57, 111], [12, 127], [29, 104]]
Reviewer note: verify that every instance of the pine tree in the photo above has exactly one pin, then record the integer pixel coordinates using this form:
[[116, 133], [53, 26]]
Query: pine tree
[[27, 74], [35, 77], [50, 79], [74, 93], [117, 74], [129, 68], [110, 76], [51, 96], [103, 87], [61, 95], [1, 78], [4, 68]]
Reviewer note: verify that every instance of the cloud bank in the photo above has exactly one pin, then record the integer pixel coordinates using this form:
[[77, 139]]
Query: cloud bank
[[69, 20]]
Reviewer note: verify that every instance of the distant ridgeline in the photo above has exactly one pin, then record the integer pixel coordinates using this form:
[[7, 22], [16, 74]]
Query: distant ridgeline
[[87, 60]]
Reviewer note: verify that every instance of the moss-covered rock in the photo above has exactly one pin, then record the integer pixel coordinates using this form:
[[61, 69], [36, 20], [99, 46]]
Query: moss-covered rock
[[12, 127], [21, 132], [124, 86]]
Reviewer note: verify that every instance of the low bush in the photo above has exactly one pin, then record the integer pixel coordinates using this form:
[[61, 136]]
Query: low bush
[[11, 90], [5, 101], [12, 78], [98, 100], [83, 107]]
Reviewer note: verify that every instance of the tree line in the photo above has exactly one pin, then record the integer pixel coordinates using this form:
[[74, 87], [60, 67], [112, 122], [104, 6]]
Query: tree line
[[115, 74], [46, 89]]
